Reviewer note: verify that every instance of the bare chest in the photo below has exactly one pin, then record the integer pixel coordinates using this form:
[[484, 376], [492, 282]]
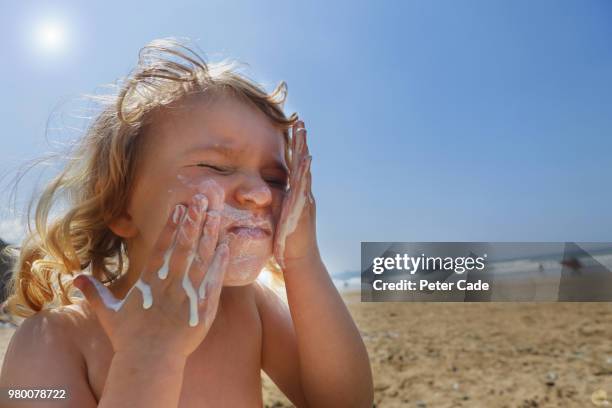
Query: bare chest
[[223, 371]]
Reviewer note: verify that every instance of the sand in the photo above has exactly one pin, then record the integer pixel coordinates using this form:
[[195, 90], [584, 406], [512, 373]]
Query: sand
[[483, 354], [480, 354]]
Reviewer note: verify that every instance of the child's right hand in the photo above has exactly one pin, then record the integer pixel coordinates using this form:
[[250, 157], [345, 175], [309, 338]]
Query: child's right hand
[[168, 324]]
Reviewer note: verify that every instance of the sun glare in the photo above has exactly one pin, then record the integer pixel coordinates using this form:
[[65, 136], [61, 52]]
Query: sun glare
[[50, 36]]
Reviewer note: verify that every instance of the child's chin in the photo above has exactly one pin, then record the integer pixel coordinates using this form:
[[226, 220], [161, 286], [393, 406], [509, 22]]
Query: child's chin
[[243, 272]]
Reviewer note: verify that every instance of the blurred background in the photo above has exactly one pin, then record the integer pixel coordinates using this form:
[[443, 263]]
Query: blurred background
[[428, 121]]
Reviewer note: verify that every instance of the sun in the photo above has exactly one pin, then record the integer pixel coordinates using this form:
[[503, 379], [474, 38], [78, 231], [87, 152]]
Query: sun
[[51, 36]]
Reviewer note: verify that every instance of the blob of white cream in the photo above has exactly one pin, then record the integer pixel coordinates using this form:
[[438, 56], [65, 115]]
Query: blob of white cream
[[248, 256], [191, 293], [115, 304]]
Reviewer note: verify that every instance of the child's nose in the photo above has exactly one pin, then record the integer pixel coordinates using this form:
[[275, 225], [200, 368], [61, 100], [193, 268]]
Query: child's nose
[[254, 192]]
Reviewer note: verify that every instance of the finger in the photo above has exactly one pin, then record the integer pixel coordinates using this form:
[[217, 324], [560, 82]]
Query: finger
[[213, 284], [292, 209], [190, 227], [296, 203], [282, 227], [309, 182], [301, 189], [294, 156], [296, 187], [298, 184], [97, 295], [301, 143], [299, 153], [292, 141], [214, 272], [305, 150], [306, 172], [206, 248], [214, 194], [162, 248], [187, 237]]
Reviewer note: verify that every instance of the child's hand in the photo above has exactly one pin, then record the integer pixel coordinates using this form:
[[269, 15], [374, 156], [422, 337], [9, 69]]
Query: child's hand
[[295, 238], [172, 306]]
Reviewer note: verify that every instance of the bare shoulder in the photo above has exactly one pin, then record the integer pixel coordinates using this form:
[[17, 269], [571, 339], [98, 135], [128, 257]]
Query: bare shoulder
[[264, 295], [45, 350], [56, 327], [272, 308]]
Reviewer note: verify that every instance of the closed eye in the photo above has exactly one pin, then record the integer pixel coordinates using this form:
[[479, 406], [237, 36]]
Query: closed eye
[[219, 169], [278, 183]]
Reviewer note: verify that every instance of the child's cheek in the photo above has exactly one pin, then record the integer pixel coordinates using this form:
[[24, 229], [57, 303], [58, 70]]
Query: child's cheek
[[248, 255]]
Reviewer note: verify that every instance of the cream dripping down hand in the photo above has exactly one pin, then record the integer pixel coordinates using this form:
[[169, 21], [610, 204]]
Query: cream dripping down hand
[[295, 233], [172, 305]]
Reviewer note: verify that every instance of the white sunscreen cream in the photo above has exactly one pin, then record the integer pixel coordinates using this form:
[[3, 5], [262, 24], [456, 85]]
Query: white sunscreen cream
[[292, 220], [115, 304], [177, 216], [162, 273], [249, 236], [191, 293]]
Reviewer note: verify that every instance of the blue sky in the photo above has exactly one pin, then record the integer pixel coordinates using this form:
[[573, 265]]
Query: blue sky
[[428, 120]]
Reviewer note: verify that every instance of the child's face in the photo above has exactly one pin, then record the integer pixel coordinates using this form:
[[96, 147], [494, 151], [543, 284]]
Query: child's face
[[206, 141]]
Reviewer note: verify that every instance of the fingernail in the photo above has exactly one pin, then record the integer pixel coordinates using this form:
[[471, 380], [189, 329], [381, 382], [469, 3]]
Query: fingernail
[[178, 213]]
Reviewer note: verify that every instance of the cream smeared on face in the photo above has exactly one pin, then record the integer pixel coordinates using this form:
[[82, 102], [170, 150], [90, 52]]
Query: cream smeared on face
[[249, 236]]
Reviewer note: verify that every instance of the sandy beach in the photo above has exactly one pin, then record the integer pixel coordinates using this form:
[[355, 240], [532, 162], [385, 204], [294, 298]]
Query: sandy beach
[[484, 354], [479, 355]]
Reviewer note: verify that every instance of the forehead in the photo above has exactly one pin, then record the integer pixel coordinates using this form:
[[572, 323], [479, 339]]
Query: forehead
[[215, 120]]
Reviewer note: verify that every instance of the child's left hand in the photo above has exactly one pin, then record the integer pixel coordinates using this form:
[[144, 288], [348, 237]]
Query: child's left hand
[[295, 238]]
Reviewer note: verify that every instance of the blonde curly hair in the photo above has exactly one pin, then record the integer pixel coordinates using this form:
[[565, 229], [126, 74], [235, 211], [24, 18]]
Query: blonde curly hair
[[98, 175]]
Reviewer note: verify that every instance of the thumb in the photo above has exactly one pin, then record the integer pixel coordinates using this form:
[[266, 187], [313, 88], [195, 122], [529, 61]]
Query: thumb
[[99, 297]]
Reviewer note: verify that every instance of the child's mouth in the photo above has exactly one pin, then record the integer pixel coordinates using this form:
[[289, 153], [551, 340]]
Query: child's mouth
[[251, 232]]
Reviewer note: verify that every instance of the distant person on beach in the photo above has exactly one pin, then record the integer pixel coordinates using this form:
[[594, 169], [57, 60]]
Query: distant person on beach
[[143, 292]]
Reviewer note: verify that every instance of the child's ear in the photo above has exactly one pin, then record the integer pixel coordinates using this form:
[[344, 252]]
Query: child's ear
[[123, 226]]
